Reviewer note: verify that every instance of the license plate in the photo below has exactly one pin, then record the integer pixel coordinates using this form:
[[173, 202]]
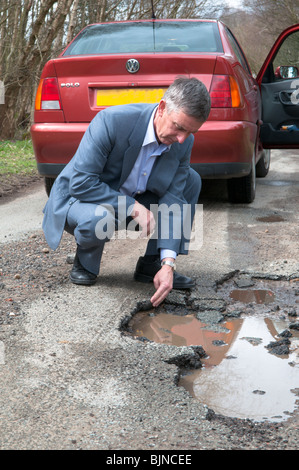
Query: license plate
[[118, 96]]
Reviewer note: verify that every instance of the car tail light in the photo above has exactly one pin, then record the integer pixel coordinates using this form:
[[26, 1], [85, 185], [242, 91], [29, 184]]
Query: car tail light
[[47, 95], [225, 92]]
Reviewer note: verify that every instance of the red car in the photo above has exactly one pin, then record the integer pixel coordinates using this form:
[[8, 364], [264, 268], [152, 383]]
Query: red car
[[135, 61]]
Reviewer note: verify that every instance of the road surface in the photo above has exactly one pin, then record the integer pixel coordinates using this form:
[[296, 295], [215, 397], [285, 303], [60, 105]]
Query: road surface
[[70, 378]]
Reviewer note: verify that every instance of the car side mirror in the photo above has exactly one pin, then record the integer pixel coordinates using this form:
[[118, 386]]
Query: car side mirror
[[286, 71]]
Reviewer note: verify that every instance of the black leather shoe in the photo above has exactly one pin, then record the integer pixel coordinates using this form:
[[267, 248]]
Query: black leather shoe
[[80, 275], [146, 271]]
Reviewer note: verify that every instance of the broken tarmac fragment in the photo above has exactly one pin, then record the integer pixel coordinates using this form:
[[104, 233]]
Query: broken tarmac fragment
[[285, 334], [219, 342], [280, 347], [189, 361]]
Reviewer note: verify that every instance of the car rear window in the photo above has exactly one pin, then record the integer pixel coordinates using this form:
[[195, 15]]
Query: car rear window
[[151, 36]]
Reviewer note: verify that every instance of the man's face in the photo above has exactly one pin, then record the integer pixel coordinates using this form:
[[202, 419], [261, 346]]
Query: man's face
[[175, 126]]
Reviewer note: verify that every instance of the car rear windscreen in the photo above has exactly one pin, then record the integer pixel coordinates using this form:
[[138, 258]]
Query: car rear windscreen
[[151, 37]]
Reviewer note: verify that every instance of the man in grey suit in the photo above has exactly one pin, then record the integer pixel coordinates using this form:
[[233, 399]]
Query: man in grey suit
[[132, 158]]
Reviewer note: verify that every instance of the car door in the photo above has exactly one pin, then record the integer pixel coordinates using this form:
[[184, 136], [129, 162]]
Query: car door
[[279, 84]]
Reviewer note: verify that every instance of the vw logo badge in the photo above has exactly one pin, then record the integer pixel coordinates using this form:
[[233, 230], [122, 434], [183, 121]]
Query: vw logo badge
[[132, 65]]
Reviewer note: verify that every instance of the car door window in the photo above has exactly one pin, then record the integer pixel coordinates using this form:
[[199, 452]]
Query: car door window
[[286, 61], [280, 96]]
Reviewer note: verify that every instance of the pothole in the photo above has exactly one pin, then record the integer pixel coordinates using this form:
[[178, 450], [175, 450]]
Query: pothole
[[245, 336]]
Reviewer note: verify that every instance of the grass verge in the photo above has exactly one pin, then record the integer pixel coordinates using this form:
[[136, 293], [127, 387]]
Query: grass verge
[[17, 158]]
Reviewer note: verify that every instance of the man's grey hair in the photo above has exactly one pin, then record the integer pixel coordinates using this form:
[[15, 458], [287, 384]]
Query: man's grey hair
[[189, 95]]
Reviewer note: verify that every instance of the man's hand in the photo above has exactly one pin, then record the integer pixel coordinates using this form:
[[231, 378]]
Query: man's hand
[[163, 282], [144, 218]]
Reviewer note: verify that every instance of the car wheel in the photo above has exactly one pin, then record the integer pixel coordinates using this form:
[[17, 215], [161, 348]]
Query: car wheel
[[263, 165], [48, 184], [243, 189]]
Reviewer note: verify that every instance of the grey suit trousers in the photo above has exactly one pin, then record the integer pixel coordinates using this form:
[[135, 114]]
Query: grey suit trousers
[[83, 220]]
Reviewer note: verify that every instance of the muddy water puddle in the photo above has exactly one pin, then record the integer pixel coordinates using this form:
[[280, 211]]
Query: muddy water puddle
[[259, 296], [251, 368]]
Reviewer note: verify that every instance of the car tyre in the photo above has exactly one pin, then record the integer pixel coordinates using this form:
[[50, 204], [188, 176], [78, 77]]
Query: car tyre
[[48, 184], [263, 165], [242, 190]]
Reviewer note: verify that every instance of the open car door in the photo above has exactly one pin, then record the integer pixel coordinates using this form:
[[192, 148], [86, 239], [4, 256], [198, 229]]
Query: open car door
[[279, 84]]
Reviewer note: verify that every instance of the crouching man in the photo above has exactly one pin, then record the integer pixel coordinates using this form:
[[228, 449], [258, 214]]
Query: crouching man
[[138, 154]]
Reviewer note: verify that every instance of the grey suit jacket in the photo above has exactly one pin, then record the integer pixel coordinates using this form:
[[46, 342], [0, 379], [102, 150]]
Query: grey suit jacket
[[103, 161]]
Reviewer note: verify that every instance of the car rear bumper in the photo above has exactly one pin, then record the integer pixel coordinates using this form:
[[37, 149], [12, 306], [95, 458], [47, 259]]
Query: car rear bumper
[[222, 149], [222, 170], [55, 144]]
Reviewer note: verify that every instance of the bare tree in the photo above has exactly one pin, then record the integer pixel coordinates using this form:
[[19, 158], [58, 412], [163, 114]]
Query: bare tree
[[33, 31], [259, 24], [274, 15], [28, 29]]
